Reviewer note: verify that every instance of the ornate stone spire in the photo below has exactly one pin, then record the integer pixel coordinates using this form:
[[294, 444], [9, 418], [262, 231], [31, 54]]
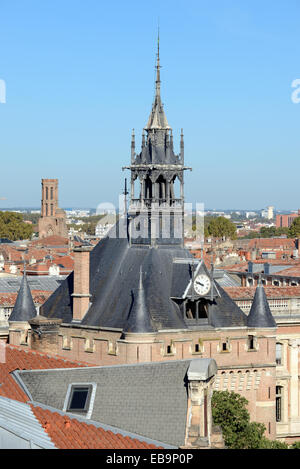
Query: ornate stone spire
[[157, 118]]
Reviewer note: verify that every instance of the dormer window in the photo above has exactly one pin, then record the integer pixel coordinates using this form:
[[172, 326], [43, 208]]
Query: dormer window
[[80, 399]]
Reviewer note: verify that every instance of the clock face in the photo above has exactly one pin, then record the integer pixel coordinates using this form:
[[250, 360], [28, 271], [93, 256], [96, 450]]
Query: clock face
[[202, 284]]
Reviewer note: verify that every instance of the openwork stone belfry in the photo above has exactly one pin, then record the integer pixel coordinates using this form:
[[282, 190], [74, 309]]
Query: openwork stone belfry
[[157, 203]]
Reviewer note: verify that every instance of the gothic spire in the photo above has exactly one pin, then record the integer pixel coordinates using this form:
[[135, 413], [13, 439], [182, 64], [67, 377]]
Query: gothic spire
[[157, 118]]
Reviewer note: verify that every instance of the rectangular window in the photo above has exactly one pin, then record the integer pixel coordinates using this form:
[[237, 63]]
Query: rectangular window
[[278, 354], [251, 342], [79, 399], [278, 403]]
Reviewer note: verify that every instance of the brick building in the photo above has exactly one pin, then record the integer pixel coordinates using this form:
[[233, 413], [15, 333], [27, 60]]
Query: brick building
[[53, 219], [286, 220]]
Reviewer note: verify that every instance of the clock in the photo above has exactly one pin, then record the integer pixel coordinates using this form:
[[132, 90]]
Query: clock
[[202, 284]]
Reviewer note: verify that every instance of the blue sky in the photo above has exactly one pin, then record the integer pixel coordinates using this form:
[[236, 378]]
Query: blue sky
[[79, 76]]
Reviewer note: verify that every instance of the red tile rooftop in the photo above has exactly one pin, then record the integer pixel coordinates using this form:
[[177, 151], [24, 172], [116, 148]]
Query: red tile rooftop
[[271, 292], [39, 297], [13, 358], [50, 241], [70, 433], [281, 243]]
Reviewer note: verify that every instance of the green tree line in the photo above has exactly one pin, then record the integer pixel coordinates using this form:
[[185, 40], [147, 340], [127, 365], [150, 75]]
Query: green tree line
[[13, 227], [229, 411]]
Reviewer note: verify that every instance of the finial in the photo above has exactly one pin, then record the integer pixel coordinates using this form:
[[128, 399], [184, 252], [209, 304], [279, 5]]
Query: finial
[[259, 282], [132, 146]]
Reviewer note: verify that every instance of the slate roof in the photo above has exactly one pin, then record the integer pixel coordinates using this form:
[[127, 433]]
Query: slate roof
[[50, 428], [114, 276], [139, 320], [44, 282], [260, 314], [24, 308], [148, 399]]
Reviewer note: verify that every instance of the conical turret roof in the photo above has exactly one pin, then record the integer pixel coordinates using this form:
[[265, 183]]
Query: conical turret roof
[[139, 320], [24, 308], [260, 314]]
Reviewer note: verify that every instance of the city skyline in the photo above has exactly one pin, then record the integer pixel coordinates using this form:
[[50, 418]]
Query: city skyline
[[73, 98]]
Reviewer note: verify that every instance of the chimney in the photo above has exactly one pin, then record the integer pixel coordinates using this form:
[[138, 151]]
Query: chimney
[[44, 334], [81, 287], [200, 378]]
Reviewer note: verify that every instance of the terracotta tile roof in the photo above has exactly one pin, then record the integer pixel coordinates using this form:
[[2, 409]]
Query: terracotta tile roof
[[51, 241], [293, 271], [70, 433], [272, 243], [243, 266], [39, 297], [271, 292], [13, 358]]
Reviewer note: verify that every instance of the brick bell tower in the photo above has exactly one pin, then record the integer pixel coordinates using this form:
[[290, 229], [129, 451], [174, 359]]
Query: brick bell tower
[[53, 219]]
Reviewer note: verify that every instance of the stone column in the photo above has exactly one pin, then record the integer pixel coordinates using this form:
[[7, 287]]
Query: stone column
[[200, 376], [294, 386]]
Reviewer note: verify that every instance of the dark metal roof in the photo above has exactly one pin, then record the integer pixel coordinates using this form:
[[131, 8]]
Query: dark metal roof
[[139, 319], [114, 275], [24, 308], [260, 314]]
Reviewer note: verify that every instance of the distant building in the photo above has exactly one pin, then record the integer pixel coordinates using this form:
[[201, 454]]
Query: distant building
[[285, 221], [102, 230], [53, 219]]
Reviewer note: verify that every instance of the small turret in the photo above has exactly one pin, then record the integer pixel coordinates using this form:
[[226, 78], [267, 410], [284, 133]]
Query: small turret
[[23, 311], [260, 314], [24, 308], [139, 320]]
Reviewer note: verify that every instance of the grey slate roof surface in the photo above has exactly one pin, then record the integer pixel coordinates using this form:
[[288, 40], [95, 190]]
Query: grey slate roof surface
[[42, 282], [139, 320], [24, 308], [114, 277], [149, 399], [260, 314]]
